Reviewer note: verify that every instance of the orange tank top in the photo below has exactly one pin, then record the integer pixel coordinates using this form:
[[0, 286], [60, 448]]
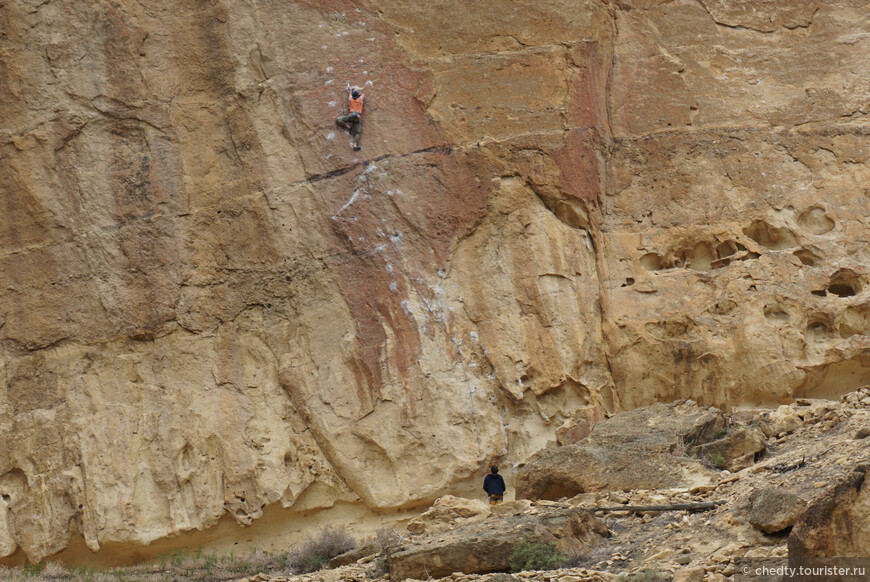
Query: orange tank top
[[356, 105]]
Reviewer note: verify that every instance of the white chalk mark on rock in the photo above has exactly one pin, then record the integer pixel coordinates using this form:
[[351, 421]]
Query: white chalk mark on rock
[[348, 203]]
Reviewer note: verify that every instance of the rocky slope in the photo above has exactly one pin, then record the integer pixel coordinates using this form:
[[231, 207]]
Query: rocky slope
[[803, 498], [211, 306]]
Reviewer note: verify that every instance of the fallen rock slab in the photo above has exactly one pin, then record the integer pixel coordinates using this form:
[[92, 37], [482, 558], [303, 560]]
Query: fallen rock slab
[[773, 510], [486, 546], [737, 449], [638, 449]]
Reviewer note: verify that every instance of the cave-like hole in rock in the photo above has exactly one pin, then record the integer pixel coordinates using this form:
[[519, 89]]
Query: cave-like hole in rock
[[842, 290], [770, 236], [775, 312], [725, 249], [700, 257], [651, 262], [845, 283], [817, 330], [816, 221], [806, 257]]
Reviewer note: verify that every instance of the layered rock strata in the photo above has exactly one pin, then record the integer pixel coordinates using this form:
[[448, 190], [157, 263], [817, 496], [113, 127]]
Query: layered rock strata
[[211, 305]]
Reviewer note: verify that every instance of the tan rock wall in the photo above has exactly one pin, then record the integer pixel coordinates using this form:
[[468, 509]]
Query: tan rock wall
[[736, 207], [209, 304]]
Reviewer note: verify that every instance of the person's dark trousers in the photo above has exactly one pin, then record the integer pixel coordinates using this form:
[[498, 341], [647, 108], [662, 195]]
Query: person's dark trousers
[[353, 123]]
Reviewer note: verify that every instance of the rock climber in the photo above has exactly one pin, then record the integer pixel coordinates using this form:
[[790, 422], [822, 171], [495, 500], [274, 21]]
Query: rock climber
[[494, 486], [353, 120]]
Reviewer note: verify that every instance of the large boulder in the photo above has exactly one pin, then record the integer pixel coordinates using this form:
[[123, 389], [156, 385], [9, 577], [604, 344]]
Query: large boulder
[[773, 510], [736, 449], [780, 422], [487, 545], [638, 449], [836, 523]]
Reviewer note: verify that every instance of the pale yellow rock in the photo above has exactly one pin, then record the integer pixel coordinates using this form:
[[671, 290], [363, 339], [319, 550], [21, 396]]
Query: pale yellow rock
[[7, 544], [212, 309], [695, 574], [511, 507], [782, 421], [446, 511], [661, 556]]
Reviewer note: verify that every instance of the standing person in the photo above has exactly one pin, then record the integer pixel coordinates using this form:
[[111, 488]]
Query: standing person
[[353, 120], [494, 486]]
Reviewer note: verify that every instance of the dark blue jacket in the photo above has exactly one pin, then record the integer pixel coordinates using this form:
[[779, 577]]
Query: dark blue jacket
[[493, 484]]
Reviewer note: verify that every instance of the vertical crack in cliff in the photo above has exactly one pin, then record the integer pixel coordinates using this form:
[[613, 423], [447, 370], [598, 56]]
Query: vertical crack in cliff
[[594, 217], [442, 319]]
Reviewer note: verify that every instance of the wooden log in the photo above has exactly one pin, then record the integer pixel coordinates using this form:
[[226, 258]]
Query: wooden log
[[704, 506]]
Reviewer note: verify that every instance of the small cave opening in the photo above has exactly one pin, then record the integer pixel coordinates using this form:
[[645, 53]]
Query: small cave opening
[[806, 257], [845, 283], [726, 249], [651, 262], [842, 290], [770, 236], [700, 257]]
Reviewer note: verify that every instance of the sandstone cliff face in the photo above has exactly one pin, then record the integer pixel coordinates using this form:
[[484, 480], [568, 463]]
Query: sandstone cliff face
[[211, 305]]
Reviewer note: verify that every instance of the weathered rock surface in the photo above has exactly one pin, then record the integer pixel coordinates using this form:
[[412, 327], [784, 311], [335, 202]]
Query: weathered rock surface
[[447, 512], [781, 421], [836, 523], [210, 306], [737, 449], [773, 510], [707, 544], [486, 546], [354, 555], [633, 450]]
